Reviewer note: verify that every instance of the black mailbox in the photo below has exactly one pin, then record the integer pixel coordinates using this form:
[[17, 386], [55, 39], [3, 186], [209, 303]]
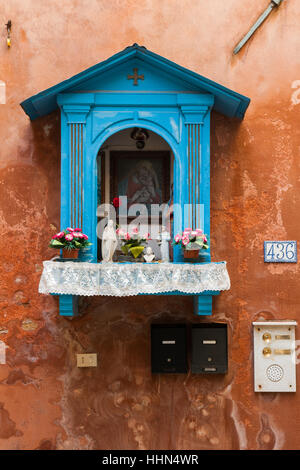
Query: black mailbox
[[168, 349], [209, 348]]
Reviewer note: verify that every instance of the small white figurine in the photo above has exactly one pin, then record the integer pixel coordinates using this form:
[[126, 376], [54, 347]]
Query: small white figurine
[[164, 244], [109, 242], [149, 255]]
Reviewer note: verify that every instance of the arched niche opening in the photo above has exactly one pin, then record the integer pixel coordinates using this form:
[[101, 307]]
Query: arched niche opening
[[135, 165]]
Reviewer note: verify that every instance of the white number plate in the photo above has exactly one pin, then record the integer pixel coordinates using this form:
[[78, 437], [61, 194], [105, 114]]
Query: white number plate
[[280, 251]]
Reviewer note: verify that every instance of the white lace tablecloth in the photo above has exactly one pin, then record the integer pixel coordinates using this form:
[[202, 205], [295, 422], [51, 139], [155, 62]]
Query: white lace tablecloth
[[125, 279]]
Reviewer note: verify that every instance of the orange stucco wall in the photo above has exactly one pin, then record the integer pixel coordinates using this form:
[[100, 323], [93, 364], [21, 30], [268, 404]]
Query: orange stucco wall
[[45, 400]]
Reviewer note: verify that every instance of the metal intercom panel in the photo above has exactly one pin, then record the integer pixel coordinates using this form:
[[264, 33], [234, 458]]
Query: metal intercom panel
[[274, 356]]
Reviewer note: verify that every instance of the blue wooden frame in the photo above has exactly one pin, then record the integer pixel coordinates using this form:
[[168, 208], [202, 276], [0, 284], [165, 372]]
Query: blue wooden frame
[[172, 101]]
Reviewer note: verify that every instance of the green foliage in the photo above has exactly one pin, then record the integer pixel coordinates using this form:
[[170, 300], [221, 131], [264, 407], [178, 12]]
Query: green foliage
[[136, 251], [132, 248], [124, 248], [56, 244]]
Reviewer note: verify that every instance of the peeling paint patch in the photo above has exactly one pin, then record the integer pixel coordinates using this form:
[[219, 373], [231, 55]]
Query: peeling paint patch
[[2, 352], [248, 186], [2, 92], [47, 129], [295, 98], [8, 427], [29, 325], [20, 298], [266, 437], [222, 134]]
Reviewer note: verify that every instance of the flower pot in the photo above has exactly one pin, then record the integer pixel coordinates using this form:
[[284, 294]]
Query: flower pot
[[70, 254], [191, 253]]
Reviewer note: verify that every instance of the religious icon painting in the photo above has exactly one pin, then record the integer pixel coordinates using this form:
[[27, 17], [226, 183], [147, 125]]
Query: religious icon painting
[[144, 177]]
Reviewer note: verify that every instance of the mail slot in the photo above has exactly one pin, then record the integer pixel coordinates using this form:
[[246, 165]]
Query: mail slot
[[209, 348], [168, 349]]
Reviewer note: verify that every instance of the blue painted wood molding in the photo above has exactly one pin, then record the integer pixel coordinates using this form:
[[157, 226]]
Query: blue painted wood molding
[[68, 304], [171, 101], [226, 101]]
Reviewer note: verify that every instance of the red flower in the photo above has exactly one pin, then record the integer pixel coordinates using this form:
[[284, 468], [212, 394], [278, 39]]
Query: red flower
[[116, 202]]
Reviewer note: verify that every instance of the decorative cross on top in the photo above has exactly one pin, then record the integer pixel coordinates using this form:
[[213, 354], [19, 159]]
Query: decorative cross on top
[[135, 77]]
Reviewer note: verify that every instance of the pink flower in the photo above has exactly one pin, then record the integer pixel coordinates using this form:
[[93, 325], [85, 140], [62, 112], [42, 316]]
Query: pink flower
[[77, 234], [127, 236], [188, 229], [194, 233], [146, 236], [135, 230], [69, 237], [199, 231], [185, 241], [85, 236], [177, 238], [58, 235], [205, 239], [186, 235], [70, 229], [187, 232], [77, 230]]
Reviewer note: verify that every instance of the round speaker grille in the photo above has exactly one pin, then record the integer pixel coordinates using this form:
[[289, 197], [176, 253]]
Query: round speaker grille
[[275, 372]]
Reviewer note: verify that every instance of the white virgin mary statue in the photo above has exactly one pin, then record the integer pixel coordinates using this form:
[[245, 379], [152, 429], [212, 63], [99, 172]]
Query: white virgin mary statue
[[109, 242]]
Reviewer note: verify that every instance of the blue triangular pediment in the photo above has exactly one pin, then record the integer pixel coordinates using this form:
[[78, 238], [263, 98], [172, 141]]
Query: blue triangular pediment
[[152, 79], [160, 75]]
